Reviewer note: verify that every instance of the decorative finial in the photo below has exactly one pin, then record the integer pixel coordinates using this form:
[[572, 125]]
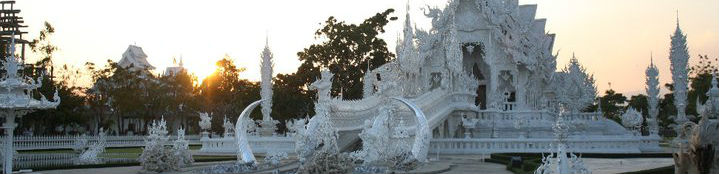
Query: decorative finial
[[677, 18], [267, 39], [407, 7], [651, 58]]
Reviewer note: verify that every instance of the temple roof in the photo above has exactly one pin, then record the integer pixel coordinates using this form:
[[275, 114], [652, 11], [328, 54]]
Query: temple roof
[[136, 57]]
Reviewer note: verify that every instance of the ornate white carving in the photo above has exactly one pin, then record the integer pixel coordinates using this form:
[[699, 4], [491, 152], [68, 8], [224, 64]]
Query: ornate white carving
[[557, 162], [181, 150], [632, 119], [155, 156], [229, 130], [16, 100], [90, 155], [710, 108], [205, 121], [274, 157], [244, 153], [574, 87]]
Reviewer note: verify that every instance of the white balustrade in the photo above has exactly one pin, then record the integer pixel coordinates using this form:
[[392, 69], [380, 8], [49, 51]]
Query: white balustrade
[[228, 145], [586, 144], [67, 142]]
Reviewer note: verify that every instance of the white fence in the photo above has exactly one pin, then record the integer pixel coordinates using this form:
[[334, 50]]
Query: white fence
[[67, 142], [580, 144], [55, 160], [593, 144], [227, 145]]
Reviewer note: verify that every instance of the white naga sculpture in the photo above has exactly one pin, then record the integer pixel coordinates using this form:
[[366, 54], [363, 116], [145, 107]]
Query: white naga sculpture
[[90, 155], [652, 97]]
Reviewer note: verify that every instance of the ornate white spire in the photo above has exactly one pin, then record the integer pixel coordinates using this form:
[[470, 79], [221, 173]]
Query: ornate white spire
[[266, 85], [409, 62], [575, 87], [652, 82], [678, 57]]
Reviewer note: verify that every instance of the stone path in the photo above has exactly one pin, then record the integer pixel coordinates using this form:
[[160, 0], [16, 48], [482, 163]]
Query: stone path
[[109, 170], [460, 164], [606, 165], [466, 164]]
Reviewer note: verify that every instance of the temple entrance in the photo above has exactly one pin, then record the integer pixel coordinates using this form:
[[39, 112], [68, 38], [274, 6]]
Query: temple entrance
[[473, 59]]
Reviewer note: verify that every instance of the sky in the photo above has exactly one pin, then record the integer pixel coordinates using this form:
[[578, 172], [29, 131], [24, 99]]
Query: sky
[[613, 39]]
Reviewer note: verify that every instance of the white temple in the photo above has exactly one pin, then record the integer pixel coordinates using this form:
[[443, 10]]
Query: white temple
[[135, 59], [486, 81], [490, 62]]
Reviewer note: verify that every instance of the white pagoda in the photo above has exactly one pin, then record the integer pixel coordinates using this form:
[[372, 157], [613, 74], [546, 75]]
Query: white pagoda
[[16, 100], [268, 125]]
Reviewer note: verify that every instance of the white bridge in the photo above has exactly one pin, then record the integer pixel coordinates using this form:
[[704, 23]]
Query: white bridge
[[496, 130]]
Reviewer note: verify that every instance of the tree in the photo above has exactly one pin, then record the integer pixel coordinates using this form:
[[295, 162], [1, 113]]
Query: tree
[[295, 101], [346, 50], [700, 79], [612, 105], [44, 47], [71, 110], [181, 99], [640, 103], [224, 94]]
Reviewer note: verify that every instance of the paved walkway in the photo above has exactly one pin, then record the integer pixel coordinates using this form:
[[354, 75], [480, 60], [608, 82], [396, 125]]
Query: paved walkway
[[466, 164], [606, 165], [460, 164], [109, 170]]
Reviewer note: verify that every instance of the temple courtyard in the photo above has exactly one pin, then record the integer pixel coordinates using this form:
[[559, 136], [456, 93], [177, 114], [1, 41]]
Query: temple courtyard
[[450, 164]]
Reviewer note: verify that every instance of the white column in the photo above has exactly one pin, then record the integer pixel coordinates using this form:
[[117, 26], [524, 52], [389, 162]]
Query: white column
[[7, 147]]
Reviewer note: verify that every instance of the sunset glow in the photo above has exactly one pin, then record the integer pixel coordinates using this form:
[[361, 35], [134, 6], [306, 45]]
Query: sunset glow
[[606, 35]]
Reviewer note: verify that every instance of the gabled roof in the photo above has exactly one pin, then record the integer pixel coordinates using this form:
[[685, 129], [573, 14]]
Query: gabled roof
[[135, 57]]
